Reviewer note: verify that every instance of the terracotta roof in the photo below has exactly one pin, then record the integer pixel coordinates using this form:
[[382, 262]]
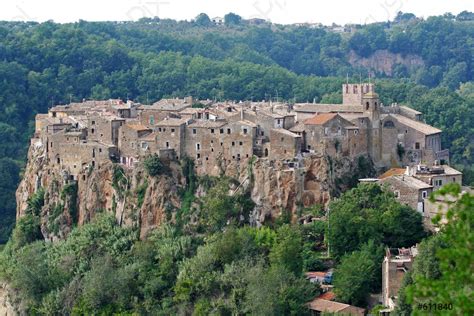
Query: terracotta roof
[[314, 274], [329, 295], [419, 126], [320, 119], [138, 127], [392, 172]]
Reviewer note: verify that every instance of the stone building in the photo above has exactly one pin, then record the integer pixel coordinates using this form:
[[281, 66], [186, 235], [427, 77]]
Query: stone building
[[396, 263], [216, 134]]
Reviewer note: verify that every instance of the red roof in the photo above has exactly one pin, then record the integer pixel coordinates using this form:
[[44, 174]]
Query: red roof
[[316, 274], [392, 172], [320, 119], [329, 295]]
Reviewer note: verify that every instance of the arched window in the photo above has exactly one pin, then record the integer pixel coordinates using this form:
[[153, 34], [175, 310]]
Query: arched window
[[266, 152], [367, 105]]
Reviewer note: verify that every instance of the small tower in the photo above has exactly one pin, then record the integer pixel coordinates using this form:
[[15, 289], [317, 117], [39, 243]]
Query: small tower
[[352, 94], [371, 104]]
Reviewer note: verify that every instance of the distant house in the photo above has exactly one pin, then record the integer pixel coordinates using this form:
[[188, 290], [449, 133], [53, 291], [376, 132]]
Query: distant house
[[217, 20], [396, 263]]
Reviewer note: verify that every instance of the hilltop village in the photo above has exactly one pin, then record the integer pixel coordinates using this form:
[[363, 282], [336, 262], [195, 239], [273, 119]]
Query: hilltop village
[[79, 136], [215, 133]]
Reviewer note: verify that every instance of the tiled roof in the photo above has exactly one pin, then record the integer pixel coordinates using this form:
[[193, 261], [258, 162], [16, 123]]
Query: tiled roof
[[327, 108], [138, 127], [285, 132], [416, 125], [207, 124], [298, 128], [149, 137], [329, 295], [392, 172], [320, 119], [171, 122], [323, 305]]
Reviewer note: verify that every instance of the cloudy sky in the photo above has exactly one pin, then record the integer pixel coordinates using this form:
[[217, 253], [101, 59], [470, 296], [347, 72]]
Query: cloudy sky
[[278, 11]]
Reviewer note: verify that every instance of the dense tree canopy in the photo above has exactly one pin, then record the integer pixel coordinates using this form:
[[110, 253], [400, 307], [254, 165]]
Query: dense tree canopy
[[368, 212]]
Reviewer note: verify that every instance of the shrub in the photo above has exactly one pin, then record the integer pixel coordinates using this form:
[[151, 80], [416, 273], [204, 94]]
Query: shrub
[[153, 165]]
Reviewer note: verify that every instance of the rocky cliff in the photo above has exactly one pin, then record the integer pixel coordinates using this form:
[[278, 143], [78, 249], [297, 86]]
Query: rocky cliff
[[137, 199], [384, 61]]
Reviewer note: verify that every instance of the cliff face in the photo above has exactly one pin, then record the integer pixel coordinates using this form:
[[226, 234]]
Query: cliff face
[[138, 200], [383, 61]]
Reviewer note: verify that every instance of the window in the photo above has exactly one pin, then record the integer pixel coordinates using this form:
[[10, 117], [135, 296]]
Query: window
[[397, 194], [198, 146], [93, 122], [388, 124], [222, 131], [233, 143], [159, 129], [198, 156], [194, 131], [212, 131], [278, 121], [367, 105], [172, 130], [100, 150], [101, 135], [245, 131], [417, 145], [356, 132], [58, 160], [212, 149], [282, 139], [438, 182], [228, 131], [262, 133], [424, 194], [51, 144], [326, 131], [92, 131], [454, 179], [167, 144], [207, 158], [144, 146], [222, 144], [164, 129], [152, 120], [241, 143]]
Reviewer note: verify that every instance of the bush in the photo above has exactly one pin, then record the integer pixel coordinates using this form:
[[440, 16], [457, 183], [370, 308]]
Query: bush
[[153, 165]]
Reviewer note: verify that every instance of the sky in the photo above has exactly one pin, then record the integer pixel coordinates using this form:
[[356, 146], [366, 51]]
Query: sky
[[277, 11]]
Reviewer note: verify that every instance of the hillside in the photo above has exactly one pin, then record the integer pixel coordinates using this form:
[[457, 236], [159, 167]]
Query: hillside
[[45, 64]]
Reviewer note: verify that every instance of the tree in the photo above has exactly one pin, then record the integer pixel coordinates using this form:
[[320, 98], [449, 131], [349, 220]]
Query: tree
[[153, 165], [368, 212], [452, 287], [286, 251], [358, 274], [232, 19], [203, 20]]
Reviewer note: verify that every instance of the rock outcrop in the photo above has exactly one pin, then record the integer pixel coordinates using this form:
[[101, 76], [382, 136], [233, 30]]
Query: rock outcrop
[[139, 200]]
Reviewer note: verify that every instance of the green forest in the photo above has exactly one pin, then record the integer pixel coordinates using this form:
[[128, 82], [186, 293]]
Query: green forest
[[43, 64]]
